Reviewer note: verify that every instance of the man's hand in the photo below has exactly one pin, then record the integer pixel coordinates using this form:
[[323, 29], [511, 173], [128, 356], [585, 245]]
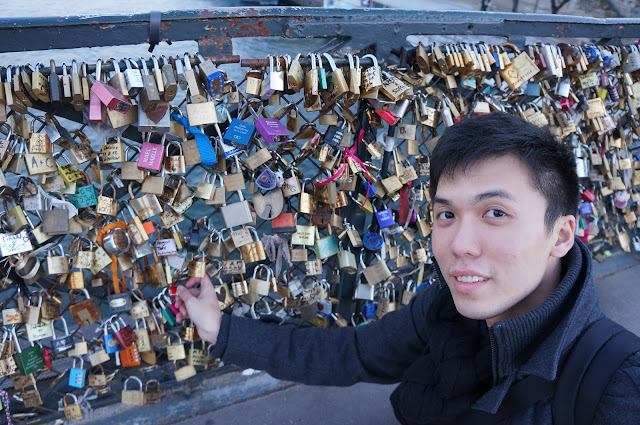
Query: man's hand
[[201, 306]]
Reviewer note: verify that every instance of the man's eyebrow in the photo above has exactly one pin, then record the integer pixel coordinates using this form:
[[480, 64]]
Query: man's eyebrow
[[438, 200], [497, 193]]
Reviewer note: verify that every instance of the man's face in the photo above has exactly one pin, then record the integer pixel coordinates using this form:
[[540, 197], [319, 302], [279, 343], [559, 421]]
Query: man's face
[[490, 241]]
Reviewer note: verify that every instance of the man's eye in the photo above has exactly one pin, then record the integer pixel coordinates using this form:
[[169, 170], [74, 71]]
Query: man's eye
[[494, 213], [445, 215]]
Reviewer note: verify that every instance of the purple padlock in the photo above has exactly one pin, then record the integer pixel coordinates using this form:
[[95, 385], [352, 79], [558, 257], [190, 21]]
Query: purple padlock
[[272, 130], [151, 155]]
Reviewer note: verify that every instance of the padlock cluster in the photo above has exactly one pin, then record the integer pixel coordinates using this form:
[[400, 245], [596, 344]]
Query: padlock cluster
[[302, 189]]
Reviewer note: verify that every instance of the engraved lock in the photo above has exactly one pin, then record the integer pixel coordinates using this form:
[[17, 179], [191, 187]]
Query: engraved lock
[[371, 79], [174, 164], [63, 344], [168, 80], [57, 264], [253, 251], [336, 83], [133, 77], [239, 133], [151, 156], [30, 359], [150, 95]]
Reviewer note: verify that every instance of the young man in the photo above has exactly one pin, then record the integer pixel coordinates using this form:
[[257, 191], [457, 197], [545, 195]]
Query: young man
[[514, 293]]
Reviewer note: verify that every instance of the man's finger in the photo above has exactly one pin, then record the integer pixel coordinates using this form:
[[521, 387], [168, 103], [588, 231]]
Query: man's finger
[[206, 287], [185, 294], [192, 281]]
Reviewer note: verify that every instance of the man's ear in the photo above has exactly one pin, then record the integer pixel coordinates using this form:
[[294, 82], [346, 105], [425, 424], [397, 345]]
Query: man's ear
[[564, 234]]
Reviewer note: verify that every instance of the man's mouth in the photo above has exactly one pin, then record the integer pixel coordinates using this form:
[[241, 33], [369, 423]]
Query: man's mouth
[[470, 279]]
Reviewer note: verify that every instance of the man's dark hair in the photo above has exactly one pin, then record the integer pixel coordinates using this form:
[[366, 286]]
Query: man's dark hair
[[551, 163]]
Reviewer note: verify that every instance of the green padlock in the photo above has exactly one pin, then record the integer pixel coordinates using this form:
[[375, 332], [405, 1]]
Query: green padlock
[[29, 360]]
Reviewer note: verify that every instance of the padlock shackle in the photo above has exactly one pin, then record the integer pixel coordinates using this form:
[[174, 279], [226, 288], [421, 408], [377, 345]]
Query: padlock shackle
[[135, 378]]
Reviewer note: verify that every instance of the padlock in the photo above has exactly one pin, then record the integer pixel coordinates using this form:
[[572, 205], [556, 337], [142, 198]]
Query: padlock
[[84, 312], [347, 260], [313, 267], [64, 343], [97, 380], [132, 397], [371, 79], [258, 284], [32, 310], [152, 393], [98, 355], [363, 291], [16, 218], [253, 251], [109, 340], [29, 360], [183, 373], [107, 205], [327, 246], [11, 316], [408, 292], [375, 273], [77, 375], [72, 412]]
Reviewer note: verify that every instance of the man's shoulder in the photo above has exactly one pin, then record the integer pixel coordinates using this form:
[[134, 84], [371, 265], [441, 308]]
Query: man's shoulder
[[620, 402]]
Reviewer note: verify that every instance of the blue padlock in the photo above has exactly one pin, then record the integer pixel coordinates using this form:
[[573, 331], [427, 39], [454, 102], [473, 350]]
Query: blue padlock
[[77, 376], [239, 133], [369, 187], [369, 310], [110, 342], [585, 209], [384, 217]]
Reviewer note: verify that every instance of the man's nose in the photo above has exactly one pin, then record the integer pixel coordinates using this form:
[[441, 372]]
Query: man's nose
[[466, 238]]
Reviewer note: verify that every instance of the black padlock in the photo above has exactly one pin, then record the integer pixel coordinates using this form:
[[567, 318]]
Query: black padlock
[[333, 135], [193, 240]]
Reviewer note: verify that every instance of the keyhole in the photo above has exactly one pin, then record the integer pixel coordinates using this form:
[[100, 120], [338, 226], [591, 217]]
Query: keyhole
[[270, 209]]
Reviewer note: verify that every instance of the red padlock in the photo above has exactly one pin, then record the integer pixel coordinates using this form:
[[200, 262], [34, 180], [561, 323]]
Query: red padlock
[[588, 195], [389, 118], [124, 335]]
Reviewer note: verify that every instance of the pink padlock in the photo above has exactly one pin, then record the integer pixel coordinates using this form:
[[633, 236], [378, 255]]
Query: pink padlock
[[108, 95], [151, 155], [97, 110]]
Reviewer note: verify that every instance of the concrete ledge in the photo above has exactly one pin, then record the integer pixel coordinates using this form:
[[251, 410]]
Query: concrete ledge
[[189, 399]]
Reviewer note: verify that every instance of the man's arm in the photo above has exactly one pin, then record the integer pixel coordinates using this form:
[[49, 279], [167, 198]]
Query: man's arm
[[379, 352]]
